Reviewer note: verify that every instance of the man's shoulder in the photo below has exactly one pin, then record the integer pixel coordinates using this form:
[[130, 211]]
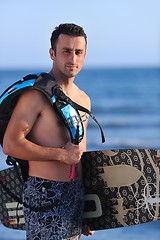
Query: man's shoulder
[[84, 98], [33, 98], [82, 93]]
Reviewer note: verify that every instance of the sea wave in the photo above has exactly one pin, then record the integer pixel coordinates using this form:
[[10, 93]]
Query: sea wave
[[127, 123], [122, 143]]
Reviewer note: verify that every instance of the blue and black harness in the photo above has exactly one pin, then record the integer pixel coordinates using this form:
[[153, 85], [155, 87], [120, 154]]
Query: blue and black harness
[[45, 83]]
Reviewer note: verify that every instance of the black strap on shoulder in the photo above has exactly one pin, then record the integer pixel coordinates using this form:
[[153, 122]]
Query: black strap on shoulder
[[80, 108], [60, 94]]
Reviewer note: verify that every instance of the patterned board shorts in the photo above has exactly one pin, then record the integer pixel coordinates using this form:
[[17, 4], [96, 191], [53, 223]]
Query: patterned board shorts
[[53, 210]]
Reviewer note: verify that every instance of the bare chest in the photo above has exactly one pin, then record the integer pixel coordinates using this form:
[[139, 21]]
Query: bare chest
[[49, 129]]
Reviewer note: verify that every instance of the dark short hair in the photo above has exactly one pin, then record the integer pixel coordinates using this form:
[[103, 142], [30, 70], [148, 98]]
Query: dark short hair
[[69, 29]]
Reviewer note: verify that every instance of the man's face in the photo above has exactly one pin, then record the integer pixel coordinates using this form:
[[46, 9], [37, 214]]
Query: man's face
[[69, 56]]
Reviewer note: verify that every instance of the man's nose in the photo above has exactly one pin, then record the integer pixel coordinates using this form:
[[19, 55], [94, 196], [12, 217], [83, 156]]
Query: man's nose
[[72, 57]]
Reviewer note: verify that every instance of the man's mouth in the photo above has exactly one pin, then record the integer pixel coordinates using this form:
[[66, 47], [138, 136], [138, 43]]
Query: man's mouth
[[71, 66]]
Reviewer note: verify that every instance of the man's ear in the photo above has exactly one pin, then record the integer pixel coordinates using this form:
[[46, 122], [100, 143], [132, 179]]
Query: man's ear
[[52, 53]]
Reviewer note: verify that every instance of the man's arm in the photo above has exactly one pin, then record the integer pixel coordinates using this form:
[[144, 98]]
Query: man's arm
[[29, 106]]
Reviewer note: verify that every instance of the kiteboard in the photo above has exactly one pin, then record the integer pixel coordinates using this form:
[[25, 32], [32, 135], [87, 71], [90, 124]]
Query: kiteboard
[[121, 189], [11, 207]]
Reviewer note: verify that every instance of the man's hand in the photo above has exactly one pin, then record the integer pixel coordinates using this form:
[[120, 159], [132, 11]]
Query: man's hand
[[86, 231], [73, 153]]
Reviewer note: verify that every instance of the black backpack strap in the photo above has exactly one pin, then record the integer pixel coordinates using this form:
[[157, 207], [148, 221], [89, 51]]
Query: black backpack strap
[[83, 109], [61, 96]]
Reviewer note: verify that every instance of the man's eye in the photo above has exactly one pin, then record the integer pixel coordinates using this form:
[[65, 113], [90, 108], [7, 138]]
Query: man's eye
[[66, 51], [78, 52]]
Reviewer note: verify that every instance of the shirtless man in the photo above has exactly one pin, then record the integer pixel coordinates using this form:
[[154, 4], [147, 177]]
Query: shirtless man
[[37, 134]]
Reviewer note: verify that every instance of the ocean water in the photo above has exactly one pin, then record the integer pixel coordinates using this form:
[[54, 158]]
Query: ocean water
[[126, 103]]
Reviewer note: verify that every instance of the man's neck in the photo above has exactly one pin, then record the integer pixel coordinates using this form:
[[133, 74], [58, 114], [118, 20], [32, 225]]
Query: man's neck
[[67, 84]]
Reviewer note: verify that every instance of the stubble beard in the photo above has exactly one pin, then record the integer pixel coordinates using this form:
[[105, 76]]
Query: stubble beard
[[71, 73]]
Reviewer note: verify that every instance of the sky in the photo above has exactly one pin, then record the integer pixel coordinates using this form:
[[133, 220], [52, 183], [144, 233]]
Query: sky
[[120, 32]]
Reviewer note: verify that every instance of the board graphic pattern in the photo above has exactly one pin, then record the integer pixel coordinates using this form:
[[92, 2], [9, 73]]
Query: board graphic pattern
[[122, 187], [11, 212]]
